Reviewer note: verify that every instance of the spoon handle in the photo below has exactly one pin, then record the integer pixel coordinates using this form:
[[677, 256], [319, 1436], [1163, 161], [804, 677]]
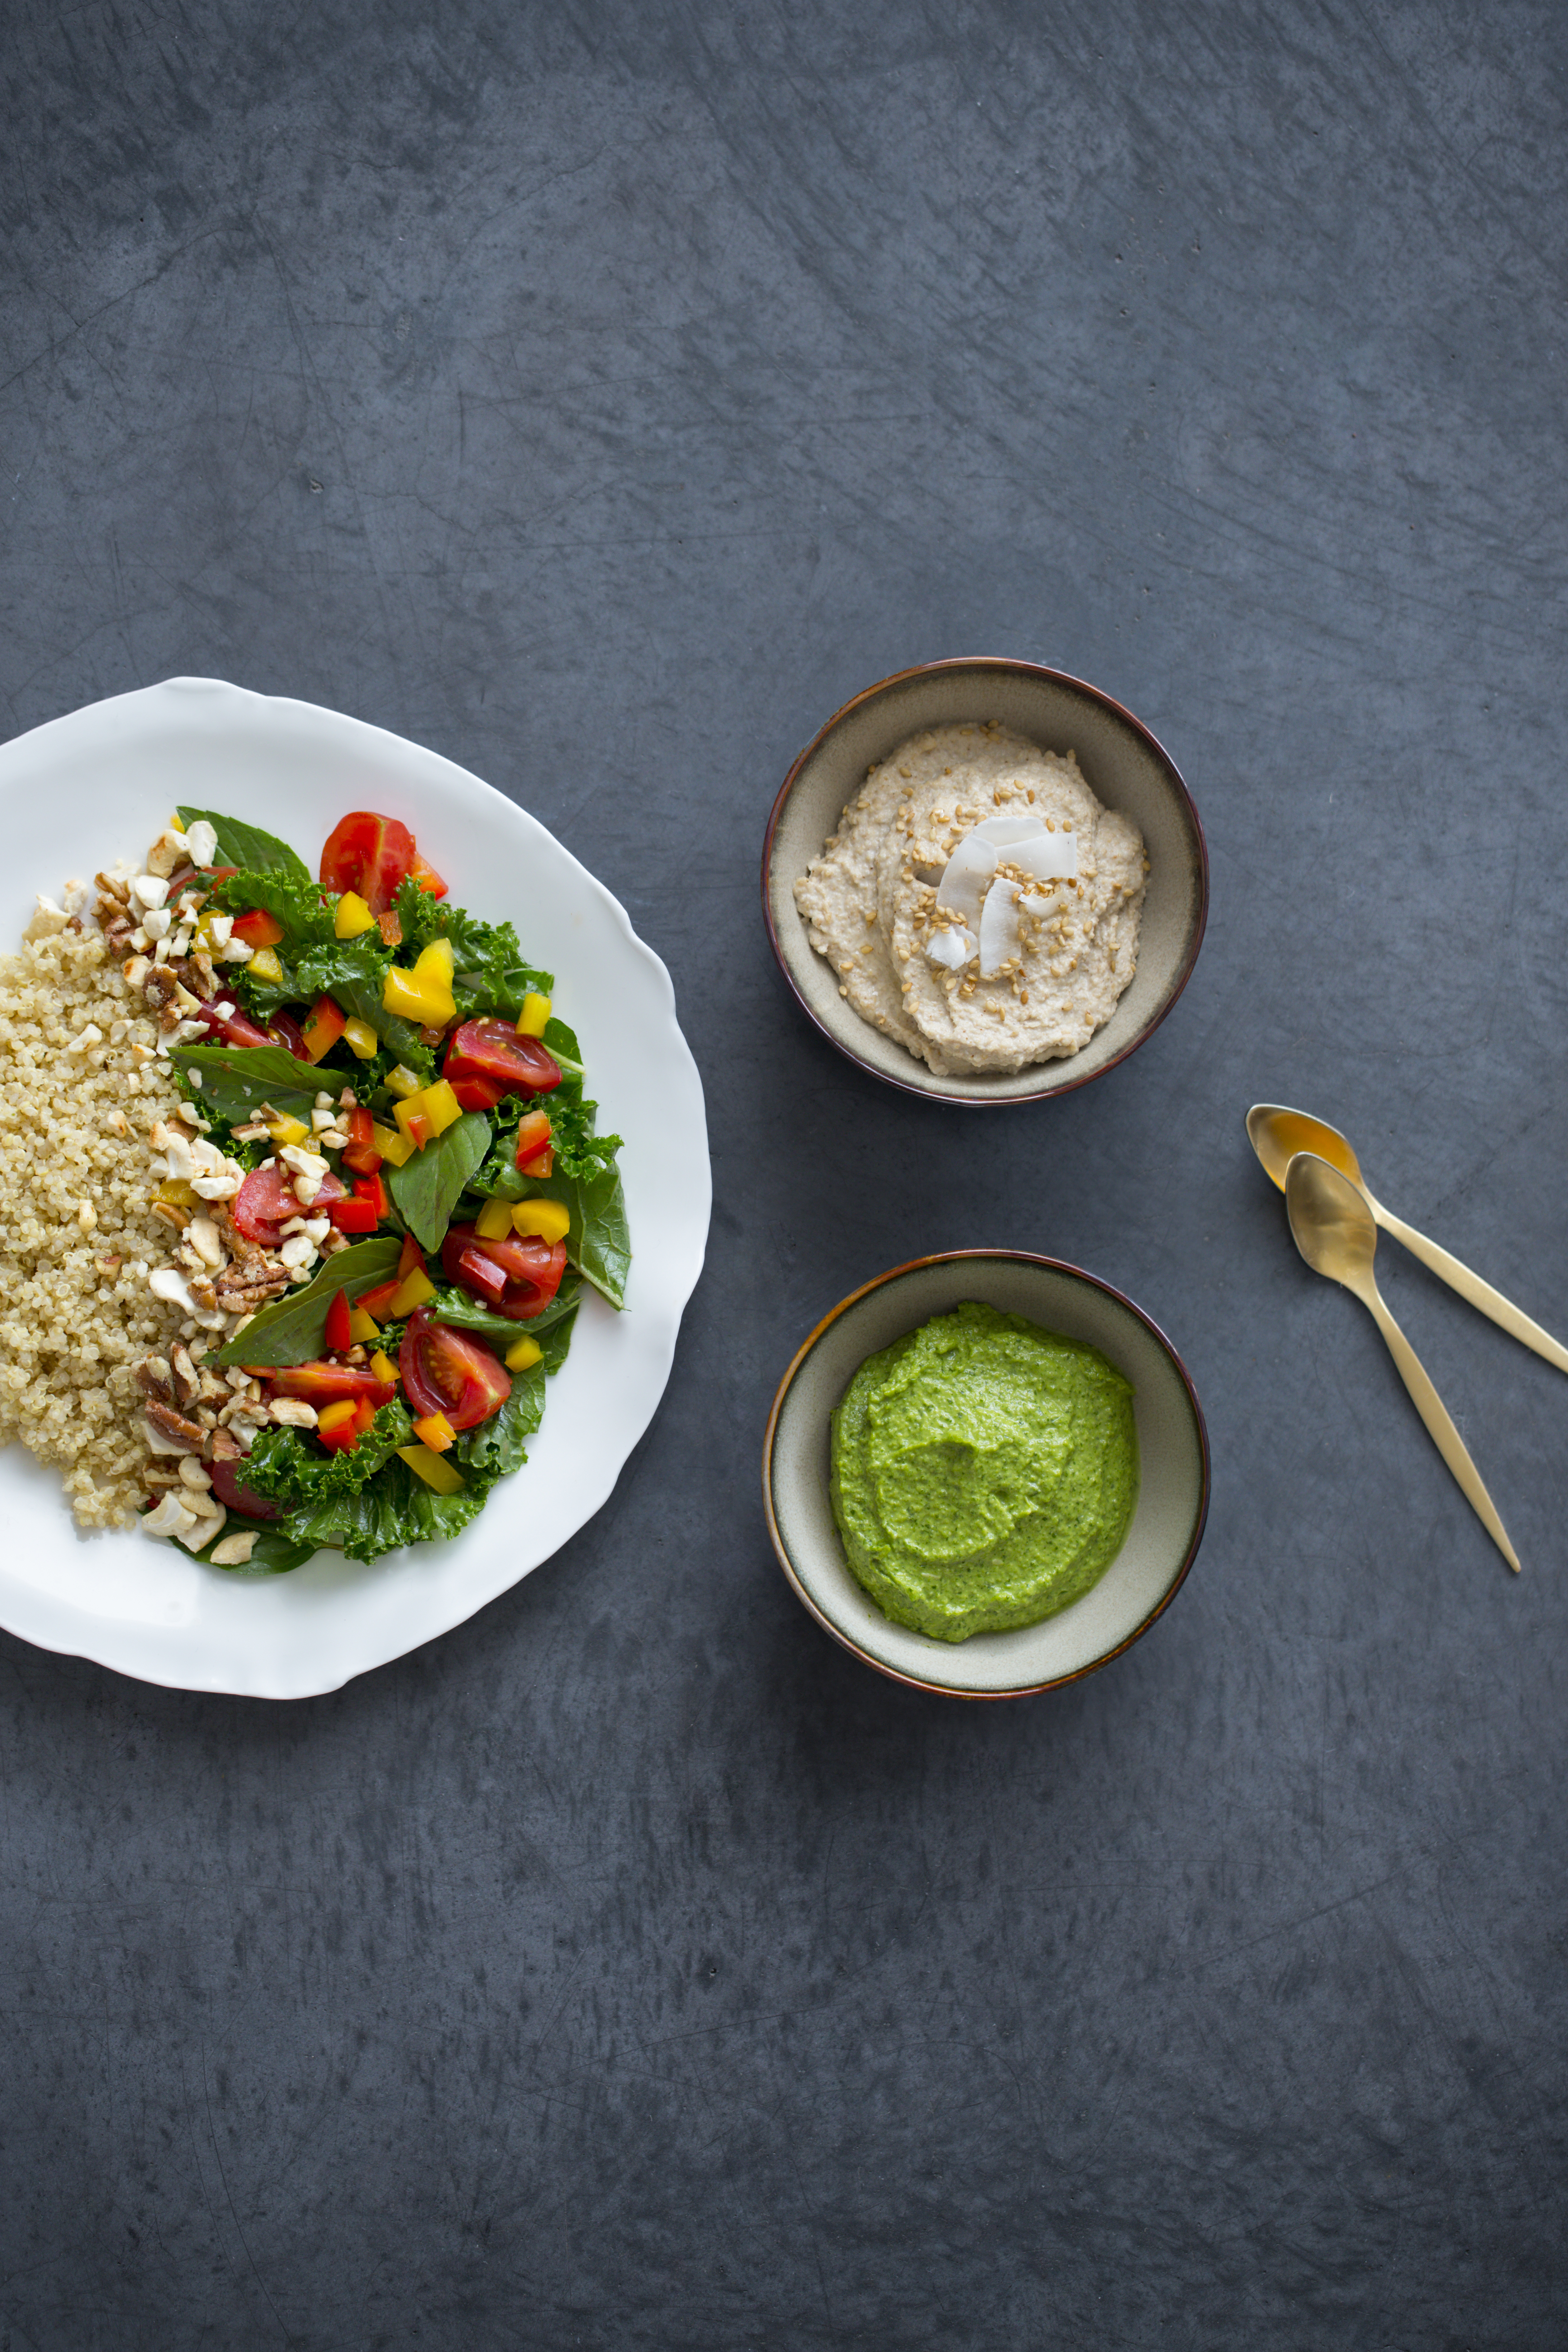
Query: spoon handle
[[1479, 1294], [1440, 1428]]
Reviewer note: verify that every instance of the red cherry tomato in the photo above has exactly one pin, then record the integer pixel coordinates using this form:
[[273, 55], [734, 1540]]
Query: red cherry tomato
[[449, 1372], [493, 1049], [231, 1028], [533, 1270], [266, 1200], [337, 1335], [370, 855], [323, 1383], [282, 1029], [227, 1487], [477, 1094]]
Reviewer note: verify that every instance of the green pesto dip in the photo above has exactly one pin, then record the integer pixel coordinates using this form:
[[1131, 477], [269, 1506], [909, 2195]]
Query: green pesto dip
[[984, 1473]]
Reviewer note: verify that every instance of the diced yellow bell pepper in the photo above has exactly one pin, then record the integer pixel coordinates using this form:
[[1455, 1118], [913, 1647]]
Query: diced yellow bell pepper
[[332, 1416], [535, 1013], [264, 965], [402, 1081], [550, 1220], [288, 1131], [411, 1292], [353, 916], [362, 1328], [358, 1035], [526, 1352], [390, 1142], [425, 992], [175, 1193], [431, 1468], [494, 1221], [442, 1109], [436, 1431], [382, 1365]]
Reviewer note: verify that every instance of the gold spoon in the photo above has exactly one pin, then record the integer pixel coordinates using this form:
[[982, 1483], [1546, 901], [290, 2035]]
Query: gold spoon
[[1278, 1134], [1335, 1232]]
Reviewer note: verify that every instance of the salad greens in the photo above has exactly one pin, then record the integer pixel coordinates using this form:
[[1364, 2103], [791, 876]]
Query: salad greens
[[443, 1315]]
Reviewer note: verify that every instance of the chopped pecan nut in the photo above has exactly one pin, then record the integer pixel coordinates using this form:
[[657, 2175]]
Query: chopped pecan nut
[[182, 1436], [153, 1376], [187, 1379]]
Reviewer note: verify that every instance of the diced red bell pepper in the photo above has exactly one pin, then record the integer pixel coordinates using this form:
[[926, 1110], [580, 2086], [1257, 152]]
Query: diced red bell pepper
[[534, 1136], [416, 1128], [342, 1435], [424, 874], [325, 1026], [258, 929], [353, 1216], [338, 1336], [376, 1302], [361, 1155], [371, 1188], [410, 1260]]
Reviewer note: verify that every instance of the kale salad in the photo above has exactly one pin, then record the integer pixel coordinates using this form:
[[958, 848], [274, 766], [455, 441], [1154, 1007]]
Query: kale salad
[[390, 1187]]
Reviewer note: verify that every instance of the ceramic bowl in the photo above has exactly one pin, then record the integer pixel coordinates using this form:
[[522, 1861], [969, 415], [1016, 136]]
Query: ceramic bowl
[[1167, 1526], [1124, 765]]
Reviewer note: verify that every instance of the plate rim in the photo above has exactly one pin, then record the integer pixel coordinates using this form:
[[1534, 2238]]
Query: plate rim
[[1059, 677], [76, 1639], [1052, 1266]]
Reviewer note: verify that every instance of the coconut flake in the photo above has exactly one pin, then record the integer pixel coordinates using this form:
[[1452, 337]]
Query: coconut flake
[[998, 928], [952, 948]]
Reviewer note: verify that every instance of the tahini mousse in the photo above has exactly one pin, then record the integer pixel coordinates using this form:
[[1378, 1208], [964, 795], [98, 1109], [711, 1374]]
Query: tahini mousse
[[978, 902]]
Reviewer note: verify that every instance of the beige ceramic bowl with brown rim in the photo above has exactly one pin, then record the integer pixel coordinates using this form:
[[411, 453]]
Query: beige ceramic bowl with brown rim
[[1124, 766], [1173, 1473]]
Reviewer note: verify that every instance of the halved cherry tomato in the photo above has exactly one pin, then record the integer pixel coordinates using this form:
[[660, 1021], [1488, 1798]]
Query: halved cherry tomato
[[371, 1188], [361, 1155], [424, 874], [282, 1029], [493, 1049], [338, 1336], [258, 929], [233, 1027], [266, 1200], [477, 1094], [450, 1372], [323, 1383], [237, 1496], [532, 1269], [370, 855], [353, 1216], [214, 875]]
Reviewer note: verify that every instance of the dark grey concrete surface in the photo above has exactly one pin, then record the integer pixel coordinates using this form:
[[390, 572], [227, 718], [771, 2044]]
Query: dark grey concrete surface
[[601, 394]]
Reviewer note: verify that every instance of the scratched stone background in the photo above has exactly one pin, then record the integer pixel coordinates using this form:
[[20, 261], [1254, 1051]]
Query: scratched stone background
[[601, 394]]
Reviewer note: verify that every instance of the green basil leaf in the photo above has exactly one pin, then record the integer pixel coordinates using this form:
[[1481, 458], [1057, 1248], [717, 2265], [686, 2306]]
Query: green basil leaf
[[272, 1554], [245, 845], [470, 1314], [237, 1079], [293, 1329], [427, 1187]]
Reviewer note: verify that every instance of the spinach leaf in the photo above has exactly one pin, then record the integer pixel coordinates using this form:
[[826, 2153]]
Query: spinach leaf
[[598, 1242], [470, 1314], [293, 1329], [563, 1043], [353, 972], [427, 1188], [272, 1554], [491, 975], [498, 1444], [245, 845], [237, 1079]]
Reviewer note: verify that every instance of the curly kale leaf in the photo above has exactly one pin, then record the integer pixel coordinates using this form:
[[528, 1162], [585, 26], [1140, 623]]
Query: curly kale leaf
[[491, 975]]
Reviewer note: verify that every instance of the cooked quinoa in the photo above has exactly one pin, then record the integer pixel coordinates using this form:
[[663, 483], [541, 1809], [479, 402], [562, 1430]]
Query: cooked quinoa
[[80, 1085]]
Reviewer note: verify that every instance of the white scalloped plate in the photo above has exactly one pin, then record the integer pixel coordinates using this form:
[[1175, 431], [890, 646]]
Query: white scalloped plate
[[97, 785]]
